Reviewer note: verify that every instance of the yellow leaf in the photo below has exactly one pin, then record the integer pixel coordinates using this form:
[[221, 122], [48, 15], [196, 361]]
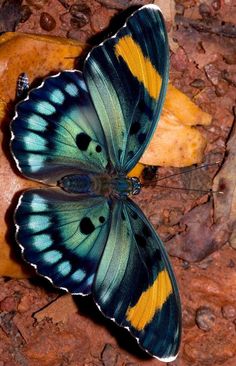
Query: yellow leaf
[[174, 144], [184, 109], [137, 170], [35, 55]]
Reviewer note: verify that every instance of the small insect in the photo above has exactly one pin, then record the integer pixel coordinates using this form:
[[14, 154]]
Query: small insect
[[81, 133], [22, 86]]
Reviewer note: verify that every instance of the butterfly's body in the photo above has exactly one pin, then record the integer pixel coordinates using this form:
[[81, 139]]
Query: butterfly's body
[[100, 185], [83, 133]]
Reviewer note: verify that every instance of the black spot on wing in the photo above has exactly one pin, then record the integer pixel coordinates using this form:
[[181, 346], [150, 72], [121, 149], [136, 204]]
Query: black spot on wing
[[135, 128], [142, 137], [86, 226], [130, 154], [101, 219], [157, 257], [146, 232], [98, 148], [83, 141], [141, 241]]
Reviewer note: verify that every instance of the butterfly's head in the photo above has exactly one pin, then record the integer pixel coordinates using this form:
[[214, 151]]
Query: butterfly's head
[[122, 186], [136, 185]]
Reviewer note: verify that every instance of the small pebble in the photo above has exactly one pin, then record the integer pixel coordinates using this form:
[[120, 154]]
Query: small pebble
[[78, 9], [109, 355], [25, 13], [205, 318], [198, 83], [229, 311], [185, 265], [47, 22], [212, 73], [79, 22], [204, 10], [216, 4]]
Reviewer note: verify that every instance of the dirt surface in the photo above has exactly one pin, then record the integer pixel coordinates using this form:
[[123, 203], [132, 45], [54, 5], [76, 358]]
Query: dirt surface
[[42, 326]]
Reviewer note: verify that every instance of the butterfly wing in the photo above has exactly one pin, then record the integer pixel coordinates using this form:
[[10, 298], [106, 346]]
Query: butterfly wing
[[56, 130], [63, 236], [127, 76], [135, 284]]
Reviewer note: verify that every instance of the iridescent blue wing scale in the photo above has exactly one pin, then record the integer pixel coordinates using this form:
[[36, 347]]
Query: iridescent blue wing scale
[[63, 236], [127, 76], [56, 130], [135, 284]]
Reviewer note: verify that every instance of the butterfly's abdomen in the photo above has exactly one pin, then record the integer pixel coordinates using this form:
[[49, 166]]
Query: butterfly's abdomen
[[77, 183], [99, 185]]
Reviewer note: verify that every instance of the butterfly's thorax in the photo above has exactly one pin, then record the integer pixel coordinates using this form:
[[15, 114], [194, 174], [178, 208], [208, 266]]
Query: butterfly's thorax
[[104, 185]]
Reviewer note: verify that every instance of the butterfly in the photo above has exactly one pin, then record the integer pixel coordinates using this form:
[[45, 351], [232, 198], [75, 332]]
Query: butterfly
[[81, 133]]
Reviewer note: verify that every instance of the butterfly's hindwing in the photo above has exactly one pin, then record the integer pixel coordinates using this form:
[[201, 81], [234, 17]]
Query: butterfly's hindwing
[[127, 77], [135, 284], [63, 236], [56, 130]]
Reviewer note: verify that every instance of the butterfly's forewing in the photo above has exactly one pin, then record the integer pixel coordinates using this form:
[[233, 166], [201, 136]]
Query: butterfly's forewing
[[127, 76], [135, 284], [56, 130], [63, 236]]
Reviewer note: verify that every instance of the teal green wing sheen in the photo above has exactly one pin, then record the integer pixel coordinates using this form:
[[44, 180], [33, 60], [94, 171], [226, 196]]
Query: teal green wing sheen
[[127, 76], [135, 284], [63, 236], [56, 130]]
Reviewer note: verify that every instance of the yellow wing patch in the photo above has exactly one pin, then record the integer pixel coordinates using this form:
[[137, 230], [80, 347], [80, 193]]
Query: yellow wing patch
[[140, 66], [150, 302]]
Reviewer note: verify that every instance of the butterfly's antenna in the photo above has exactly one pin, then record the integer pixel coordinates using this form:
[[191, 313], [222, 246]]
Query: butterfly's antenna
[[188, 171], [184, 172], [191, 189]]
